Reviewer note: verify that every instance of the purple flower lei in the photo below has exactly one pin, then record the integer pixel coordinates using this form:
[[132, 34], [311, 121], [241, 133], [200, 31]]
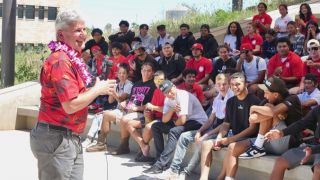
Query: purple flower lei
[[76, 62]]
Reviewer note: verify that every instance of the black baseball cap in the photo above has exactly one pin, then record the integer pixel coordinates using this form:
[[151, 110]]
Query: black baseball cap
[[165, 86], [274, 84]]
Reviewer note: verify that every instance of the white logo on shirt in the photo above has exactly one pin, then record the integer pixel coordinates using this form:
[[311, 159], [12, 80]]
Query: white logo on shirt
[[287, 65], [240, 107], [201, 68]]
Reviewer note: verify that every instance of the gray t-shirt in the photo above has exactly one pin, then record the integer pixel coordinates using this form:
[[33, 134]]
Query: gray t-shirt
[[189, 105]]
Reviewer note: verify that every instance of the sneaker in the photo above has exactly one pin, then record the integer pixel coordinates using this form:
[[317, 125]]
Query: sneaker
[[138, 156], [253, 152], [86, 143], [143, 158], [153, 170], [168, 174], [182, 176]]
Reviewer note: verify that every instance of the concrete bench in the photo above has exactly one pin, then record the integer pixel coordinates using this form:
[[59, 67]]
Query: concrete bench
[[258, 168]]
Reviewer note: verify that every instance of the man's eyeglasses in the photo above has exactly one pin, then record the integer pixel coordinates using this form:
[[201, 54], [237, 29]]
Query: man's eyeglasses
[[313, 48]]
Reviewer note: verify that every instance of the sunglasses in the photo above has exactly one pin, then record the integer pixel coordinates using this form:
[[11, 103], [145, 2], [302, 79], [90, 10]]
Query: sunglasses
[[244, 51], [313, 48]]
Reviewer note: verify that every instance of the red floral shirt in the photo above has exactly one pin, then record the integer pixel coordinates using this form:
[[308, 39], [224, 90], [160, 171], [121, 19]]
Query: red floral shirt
[[61, 83]]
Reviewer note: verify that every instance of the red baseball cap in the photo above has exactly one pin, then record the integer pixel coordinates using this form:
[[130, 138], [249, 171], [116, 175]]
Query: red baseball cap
[[197, 46], [95, 48], [246, 46]]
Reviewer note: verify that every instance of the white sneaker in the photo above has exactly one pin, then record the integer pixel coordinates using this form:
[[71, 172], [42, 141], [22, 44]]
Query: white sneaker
[[168, 175], [182, 176], [86, 143]]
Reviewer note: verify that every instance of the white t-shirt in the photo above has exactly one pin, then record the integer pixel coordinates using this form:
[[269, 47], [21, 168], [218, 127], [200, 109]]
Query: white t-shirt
[[315, 95], [219, 104], [189, 105], [282, 24], [250, 69], [166, 39], [231, 40], [126, 88]]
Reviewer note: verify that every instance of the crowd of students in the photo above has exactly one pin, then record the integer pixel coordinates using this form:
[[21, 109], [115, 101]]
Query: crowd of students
[[255, 86]]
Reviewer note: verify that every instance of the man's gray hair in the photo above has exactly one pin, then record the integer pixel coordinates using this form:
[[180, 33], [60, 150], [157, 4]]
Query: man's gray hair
[[65, 18]]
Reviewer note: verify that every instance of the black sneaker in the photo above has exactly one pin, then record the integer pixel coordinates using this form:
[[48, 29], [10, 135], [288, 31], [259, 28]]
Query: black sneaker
[[153, 170], [143, 158], [138, 156], [253, 152]]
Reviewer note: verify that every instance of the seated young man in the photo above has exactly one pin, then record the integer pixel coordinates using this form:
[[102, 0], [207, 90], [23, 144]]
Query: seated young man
[[236, 120], [309, 153], [202, 65], [190, 85], [207, 131], [310, 98], [253, 67], [286, 64], [152, 114], [311, 64], [116, 59], [141, 94], [191, 116], [171, 63], [281, 110]]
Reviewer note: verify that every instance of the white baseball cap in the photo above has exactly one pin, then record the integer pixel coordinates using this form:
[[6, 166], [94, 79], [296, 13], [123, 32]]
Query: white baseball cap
[[313, 43]]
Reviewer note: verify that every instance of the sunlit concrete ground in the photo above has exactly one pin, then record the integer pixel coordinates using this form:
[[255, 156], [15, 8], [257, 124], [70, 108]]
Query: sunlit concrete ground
[[18, 163]]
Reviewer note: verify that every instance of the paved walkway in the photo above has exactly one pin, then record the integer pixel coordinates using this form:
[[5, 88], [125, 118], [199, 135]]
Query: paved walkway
[[17, 162]]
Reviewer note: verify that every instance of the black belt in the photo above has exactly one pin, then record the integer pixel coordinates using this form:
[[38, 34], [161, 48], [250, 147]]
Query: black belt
[[56, 128]]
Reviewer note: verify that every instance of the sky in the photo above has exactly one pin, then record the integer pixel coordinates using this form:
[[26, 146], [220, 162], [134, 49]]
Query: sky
[[98, 13]]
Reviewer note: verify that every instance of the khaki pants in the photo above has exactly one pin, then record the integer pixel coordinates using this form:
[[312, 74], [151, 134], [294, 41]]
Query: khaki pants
[[59, 155]]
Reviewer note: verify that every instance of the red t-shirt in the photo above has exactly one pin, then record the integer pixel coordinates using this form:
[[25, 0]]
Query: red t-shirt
[[312, 70], [196, 90], [263, 19], [254, 41], [202, 66], [61, 83], [115, 65], [158, 100], [292, 66]]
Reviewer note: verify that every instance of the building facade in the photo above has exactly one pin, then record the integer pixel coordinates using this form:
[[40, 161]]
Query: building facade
[[35, 19]]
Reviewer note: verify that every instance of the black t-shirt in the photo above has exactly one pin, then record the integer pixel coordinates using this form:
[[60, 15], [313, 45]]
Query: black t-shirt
[[294, 112], [141, 93], [221, 66], [138, 62], [237, 112], [173, 66]]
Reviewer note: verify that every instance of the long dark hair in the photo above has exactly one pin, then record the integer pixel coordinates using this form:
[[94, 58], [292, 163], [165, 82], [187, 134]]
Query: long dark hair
[[301, 15], [317, 28], [239, 33]]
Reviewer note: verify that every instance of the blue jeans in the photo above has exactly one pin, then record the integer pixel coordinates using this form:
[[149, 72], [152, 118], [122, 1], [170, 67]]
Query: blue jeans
[[164, 153], [182, 146]]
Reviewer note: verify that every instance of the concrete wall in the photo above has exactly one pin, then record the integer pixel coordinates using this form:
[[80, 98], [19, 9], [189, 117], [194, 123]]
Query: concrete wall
[[10, 98]]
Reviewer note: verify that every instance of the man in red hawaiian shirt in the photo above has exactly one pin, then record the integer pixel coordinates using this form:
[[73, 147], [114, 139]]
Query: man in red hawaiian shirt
[[55, 140]]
